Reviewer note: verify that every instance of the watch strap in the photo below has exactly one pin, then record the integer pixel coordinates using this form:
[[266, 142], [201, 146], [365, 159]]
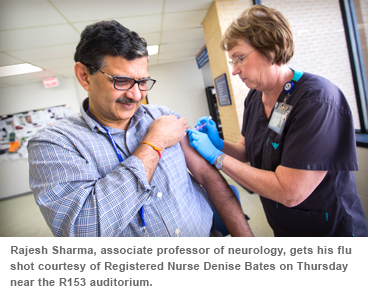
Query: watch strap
[[218, 161]]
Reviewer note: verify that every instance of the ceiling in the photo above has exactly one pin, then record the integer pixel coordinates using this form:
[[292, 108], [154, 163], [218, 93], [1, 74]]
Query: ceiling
[[46, 32]]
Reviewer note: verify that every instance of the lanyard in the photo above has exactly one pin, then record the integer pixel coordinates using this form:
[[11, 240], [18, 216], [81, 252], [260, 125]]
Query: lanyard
[[141, 211], [110, 136], [289, 86], [280, 114]]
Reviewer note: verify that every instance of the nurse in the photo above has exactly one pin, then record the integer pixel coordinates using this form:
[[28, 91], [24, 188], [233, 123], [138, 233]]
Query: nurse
[[297, 134]]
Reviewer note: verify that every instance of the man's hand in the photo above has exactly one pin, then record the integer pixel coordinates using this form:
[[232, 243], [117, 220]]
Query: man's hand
[[166, 131], [163, 133]]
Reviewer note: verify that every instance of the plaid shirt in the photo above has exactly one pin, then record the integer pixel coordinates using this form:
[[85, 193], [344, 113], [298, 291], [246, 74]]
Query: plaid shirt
[[83, 190]]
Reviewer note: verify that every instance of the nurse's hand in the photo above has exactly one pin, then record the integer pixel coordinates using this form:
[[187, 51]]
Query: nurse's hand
[[211, 130], [203, 145]]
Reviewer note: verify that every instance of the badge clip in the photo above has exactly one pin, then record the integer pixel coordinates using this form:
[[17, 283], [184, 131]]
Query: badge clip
[[279, 115]]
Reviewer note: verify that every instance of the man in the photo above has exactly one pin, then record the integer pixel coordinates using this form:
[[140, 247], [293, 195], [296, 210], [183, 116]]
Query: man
[[118, 169]]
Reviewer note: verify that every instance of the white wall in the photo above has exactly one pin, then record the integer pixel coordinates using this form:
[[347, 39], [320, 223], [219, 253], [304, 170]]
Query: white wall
[[14, 175], [22, 98], [180, 87], [207, 75]]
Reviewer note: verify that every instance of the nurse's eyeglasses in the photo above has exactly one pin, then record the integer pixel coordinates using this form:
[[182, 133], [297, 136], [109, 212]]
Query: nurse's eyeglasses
[[126, 83], [237, 61]]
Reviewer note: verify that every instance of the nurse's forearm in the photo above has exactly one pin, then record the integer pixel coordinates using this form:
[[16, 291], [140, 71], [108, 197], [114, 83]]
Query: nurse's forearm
[[264, 183], [287, 186], [236, 150]]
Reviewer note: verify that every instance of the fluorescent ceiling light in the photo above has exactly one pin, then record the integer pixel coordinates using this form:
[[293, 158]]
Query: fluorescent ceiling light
[[17, 69], [152, 49]]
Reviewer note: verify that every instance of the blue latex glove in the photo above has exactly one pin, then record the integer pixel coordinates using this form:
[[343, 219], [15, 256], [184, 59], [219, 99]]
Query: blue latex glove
[[211, 130], [203, 145]]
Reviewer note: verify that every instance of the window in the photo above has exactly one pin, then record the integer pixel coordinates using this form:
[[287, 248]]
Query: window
[[355, 17]]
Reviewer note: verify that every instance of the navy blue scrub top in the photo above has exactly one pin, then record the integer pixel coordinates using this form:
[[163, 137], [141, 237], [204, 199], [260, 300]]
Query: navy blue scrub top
[[318, 135]]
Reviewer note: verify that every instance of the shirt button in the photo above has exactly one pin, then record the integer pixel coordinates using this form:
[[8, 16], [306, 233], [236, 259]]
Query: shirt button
[[177, 231], [159, 194]]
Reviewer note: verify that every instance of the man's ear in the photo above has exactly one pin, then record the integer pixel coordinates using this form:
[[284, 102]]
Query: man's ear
[[83, 75]]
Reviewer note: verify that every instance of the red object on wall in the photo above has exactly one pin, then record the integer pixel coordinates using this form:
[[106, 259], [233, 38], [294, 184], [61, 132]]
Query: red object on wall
[[50, 82]]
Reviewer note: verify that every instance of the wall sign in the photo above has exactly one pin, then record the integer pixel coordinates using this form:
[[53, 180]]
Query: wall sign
[[202, 57], [50, 82], [222, 90]]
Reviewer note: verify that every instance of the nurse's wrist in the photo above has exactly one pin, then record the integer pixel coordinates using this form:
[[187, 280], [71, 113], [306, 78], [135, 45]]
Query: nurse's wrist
[[219, 160]]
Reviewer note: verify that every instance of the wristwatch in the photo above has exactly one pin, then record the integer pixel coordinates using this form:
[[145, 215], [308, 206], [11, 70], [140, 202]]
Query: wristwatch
[[218, 161]]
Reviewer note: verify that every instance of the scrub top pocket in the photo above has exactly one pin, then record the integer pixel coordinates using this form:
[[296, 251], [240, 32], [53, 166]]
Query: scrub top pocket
[[272, 152]]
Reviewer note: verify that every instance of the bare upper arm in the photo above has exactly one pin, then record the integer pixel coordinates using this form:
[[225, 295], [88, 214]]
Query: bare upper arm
[[196, 164]]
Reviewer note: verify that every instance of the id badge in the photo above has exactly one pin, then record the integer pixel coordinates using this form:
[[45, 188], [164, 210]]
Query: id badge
[[279, 115]]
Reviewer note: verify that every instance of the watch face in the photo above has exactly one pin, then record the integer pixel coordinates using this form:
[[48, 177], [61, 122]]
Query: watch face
[[218, 162]]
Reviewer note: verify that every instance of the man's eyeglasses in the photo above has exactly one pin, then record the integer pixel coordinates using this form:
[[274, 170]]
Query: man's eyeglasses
[[237, 61], [126, 83]]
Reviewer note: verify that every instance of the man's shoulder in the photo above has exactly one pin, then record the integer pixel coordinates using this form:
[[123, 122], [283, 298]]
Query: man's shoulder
[[61, 128]]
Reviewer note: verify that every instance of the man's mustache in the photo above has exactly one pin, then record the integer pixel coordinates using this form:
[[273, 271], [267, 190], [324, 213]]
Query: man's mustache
[[125, 100]]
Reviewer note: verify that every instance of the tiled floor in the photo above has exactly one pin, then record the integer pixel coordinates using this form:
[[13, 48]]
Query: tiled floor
[[21, 217]]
